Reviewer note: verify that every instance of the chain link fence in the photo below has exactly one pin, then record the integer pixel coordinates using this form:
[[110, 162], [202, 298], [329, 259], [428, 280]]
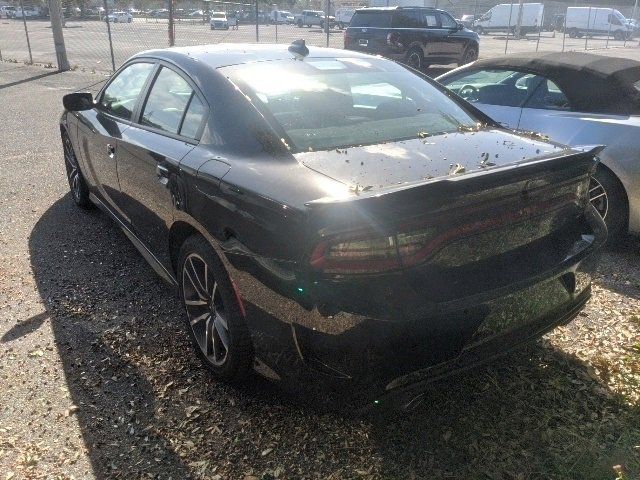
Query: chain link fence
[[100, 35]]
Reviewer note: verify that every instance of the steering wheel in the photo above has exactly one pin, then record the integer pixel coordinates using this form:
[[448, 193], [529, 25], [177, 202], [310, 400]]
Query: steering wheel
[[469, 93]]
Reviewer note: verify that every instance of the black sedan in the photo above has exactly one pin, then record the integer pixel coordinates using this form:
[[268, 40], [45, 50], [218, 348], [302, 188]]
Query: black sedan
[[332, 220]]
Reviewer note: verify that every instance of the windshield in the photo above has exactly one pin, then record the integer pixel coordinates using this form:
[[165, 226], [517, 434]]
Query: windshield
[[218, 15], [326, 103]]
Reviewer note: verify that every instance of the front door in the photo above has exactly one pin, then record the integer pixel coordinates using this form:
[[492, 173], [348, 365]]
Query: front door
[[100, 130], [150, 154]]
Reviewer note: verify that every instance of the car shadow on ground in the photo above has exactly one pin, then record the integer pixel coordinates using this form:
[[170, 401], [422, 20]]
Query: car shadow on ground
[[147, 408]]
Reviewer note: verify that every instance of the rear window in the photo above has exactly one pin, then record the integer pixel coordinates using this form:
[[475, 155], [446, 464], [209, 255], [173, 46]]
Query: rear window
[[325, 103], [371, 19]]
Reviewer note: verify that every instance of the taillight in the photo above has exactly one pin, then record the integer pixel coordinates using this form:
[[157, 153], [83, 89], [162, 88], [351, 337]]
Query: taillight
[[369, 253], [392, 38], [345, 38]]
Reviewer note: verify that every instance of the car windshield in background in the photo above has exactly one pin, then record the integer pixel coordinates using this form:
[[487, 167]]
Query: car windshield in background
[[371, 19], [325, 103]]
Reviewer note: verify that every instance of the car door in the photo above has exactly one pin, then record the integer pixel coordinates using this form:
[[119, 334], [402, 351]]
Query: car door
[[450, 43], [100, 131], [499, 93], [168, 126]]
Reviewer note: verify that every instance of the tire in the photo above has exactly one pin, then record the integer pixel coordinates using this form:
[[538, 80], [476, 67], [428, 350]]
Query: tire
[[469, 55], [573, 32], [607, 195], [115, 20], [299, 23], [129, 20], [618, 35], [212, 27], [415, 58], [77, 183], [219, 313], [480, 31]]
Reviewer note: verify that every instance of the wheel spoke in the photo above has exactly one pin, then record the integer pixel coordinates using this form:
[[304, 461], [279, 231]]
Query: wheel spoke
[[202, 291], [196, 303], [220, 325], [205, 316], [200, 294]]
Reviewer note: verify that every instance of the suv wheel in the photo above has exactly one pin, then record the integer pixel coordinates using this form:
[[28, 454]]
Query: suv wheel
[[415, 58], [214, 316], [618, 35], [299, 23], [470, 55]]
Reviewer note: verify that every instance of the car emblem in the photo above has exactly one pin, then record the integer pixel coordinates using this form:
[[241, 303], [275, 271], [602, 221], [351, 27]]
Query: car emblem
[[364, 30]]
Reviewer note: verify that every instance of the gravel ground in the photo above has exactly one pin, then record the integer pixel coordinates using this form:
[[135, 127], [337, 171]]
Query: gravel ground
[[97, 379]]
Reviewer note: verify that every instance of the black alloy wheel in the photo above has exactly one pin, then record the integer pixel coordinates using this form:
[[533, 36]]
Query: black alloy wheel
[[607, 196]]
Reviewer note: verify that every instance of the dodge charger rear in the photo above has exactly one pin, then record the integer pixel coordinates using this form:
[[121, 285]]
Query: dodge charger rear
[[343, 225]]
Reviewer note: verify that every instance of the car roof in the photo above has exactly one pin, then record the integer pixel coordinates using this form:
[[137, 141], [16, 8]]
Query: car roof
[[591, 82], [225, 54], [375, 9]]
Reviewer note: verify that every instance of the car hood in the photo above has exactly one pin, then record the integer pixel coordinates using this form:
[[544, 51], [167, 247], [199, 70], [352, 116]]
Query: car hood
[[375, 167]]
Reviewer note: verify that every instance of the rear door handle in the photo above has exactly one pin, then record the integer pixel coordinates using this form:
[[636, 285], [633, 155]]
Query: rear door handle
[[111, 150]]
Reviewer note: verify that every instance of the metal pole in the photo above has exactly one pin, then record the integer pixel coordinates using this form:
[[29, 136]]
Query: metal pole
[[26, 32], [506, 43], [106, 17], [564, 29], [519, 21], [172, 31], [326, 20], [275, 7], [609, 32], [586, 35], [540, 27], [257, 21], [58, 37]]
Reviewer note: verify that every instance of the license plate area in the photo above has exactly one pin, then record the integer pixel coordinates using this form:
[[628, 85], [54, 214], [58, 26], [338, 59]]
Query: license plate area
[[363, 42]]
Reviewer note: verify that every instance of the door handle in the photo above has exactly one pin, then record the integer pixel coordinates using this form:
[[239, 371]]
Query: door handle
[[163, 174], [111, 150]]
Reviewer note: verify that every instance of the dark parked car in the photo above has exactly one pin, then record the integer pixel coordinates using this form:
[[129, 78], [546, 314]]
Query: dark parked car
[[331, 219], [416, 36]]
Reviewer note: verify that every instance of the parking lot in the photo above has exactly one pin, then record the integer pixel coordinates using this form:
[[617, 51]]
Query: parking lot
[[88, 45], [97, 379]]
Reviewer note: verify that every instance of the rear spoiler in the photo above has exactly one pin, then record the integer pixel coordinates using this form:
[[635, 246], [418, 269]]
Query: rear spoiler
[[580, 161]]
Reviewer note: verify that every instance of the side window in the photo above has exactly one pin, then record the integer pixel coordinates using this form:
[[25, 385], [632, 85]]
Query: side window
[[447, 21], [429, 20], [167, 101], [507, 88], [407, 19], [120, 97], [548, 97], [193, 118]]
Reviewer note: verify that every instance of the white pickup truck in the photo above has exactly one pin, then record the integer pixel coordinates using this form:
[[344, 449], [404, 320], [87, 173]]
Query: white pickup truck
[[313, 17]]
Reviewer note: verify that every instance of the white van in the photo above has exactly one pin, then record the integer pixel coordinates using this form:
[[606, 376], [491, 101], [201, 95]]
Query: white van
[[504, 18], [281, 16], [28, 12], [343, 16], [597, 21]]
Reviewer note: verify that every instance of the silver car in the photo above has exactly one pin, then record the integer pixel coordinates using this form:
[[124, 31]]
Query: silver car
[[575, 99]]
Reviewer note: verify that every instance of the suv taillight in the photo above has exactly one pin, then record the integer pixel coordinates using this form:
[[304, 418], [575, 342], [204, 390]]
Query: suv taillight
[[392, 38]]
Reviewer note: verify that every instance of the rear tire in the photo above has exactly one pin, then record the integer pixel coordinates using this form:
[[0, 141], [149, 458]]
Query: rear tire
[[618, 35], [573, 32], [415, 58], [299, 23], [214, 318], [607, 195]]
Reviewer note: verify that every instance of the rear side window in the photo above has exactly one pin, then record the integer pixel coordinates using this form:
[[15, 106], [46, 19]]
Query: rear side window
[[371, 19], [407, 19], [121, 95], [167, 101], [193, 118]]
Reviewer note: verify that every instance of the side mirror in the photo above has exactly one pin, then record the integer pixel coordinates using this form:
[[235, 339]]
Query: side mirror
[[76, 102], [460, 27]]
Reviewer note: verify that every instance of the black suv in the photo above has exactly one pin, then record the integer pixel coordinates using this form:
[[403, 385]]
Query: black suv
[[417, 36]]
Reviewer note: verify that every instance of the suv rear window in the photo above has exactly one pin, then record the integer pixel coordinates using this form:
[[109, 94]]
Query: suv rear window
[[371, 19]]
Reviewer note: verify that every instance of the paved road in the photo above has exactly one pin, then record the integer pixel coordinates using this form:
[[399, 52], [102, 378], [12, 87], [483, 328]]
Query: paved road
[[88, 46]]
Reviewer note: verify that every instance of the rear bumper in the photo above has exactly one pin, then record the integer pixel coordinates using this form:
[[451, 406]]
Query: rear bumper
[[341, 355]]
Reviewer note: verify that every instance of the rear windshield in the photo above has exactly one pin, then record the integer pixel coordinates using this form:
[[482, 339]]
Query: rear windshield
[[326, 103], [371, 19]]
